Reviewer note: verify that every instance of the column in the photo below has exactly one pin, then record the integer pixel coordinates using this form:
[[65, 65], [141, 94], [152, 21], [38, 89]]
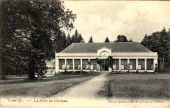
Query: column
[[119, 64], [136, 64], [56, 64], [88, 64], [81, 67], [98, 68], [128, 64], [145, 64], [155, 61], [73, 64], [65, 63]]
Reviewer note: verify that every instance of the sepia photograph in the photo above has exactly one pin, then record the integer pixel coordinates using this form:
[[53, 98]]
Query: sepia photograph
[[84, 53]]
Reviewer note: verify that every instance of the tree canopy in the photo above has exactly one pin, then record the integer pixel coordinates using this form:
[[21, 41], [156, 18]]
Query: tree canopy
[[76, 38], [32, 31], [159, 42], [90, 40], [107, 40], [121, 38]]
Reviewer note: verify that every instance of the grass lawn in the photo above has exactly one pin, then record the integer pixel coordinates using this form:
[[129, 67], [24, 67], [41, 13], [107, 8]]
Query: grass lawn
[[41, 88], [137, 86]]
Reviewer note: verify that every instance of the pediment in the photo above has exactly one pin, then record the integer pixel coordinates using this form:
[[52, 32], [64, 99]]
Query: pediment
[[104, 51]]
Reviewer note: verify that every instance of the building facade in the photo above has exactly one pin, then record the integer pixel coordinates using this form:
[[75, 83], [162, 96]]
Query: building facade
[[126, 57]]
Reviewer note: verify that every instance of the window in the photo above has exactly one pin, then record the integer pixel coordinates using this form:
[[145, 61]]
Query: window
[[116, 64], [132, 64], [85, 64], [77, 64], [124, 64], [69, 64], [61, 64], [150, 64], [93, 65], [141, 64]]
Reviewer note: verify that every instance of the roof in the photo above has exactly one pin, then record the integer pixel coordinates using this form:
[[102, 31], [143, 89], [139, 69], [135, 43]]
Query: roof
[[114, 46]]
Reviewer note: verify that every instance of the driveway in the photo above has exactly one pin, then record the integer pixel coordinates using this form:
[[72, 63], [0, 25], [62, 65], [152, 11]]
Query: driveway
[[86, 89]]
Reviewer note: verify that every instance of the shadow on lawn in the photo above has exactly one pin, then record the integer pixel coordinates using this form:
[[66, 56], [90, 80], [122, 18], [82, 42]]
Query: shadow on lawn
[[59, 76]]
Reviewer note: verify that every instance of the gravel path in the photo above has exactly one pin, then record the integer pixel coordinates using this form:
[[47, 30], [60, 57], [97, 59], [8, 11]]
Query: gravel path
[[86, 89]]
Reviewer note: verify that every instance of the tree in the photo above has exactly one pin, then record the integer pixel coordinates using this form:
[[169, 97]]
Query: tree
[[80, 39], [13, 55], [77, 38], [30, 31], [130, 40], [107, 40], [68, 40], [60, 41], [158, 42], [1, 50], [121, 38], [146, 41], [163, 47], [90, 40]]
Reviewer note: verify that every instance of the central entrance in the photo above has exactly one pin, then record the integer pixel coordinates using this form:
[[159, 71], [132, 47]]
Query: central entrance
[[104, 65], [104, 53]]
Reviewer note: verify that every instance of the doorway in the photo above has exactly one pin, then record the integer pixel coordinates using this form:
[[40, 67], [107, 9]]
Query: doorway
[[104, 65]]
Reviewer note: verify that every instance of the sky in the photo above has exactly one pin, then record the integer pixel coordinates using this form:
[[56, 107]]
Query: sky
[[134, 19]]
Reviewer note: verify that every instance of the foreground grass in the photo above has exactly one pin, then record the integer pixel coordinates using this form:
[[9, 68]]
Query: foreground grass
[[42, 88], [137, 86]]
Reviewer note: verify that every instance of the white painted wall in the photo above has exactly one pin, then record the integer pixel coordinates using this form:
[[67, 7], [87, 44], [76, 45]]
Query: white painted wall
[[131, 55]]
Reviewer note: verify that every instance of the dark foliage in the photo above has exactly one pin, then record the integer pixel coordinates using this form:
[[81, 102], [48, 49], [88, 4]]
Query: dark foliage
[[77, 38], [121, 38], [91, 40], [159, 42], [32, 31], [107, 39]]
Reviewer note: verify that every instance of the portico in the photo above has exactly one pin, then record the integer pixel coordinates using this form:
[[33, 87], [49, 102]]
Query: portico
[[136, 59]]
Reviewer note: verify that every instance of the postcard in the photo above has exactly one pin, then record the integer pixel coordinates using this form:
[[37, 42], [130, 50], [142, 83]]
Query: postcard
[[82, 53]]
